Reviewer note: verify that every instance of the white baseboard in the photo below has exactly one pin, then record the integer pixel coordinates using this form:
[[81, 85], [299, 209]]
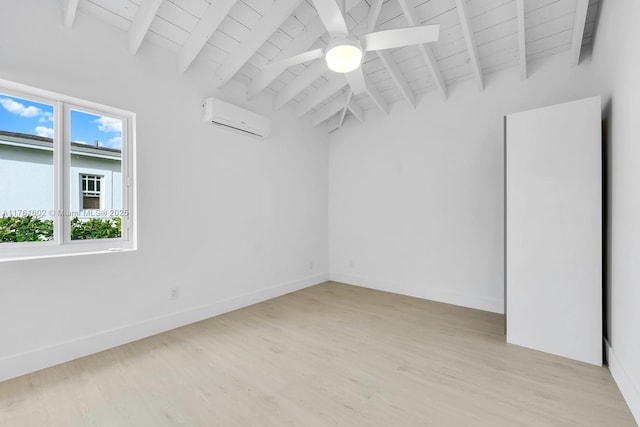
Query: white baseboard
[[629, 389], [434, 294], [44, 357]]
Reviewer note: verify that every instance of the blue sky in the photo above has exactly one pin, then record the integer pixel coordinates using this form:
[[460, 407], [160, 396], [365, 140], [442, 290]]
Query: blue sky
[[33, 118]]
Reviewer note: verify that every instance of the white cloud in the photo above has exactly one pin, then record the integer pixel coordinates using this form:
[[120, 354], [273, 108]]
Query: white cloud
[[17, 108], [46, 117], [81, 142], [107, 124], [44, 131], [115, 142]]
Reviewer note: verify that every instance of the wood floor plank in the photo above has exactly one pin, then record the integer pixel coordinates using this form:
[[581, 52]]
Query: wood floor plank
[[331, 354]]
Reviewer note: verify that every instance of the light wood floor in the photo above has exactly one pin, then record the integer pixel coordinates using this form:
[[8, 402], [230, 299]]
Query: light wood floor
[[330, 355]]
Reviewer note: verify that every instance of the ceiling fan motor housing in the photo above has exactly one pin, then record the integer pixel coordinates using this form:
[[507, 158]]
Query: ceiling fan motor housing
[[343, 54]]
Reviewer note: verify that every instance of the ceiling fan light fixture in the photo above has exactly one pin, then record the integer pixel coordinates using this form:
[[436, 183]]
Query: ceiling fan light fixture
[[343, 55]]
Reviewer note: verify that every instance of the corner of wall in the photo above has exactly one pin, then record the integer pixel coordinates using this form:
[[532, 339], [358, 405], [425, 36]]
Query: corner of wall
[[629, 389]]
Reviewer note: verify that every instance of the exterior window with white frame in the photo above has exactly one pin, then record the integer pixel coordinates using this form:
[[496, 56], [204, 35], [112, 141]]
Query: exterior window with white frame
[[66, 175], [91, 192]]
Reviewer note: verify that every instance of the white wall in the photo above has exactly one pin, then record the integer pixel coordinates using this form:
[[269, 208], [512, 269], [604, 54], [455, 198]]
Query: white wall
[[617, 60], [228, 219], [416, 200]]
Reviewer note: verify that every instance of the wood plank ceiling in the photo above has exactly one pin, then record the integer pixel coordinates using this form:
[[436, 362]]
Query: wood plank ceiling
[[238, 38]]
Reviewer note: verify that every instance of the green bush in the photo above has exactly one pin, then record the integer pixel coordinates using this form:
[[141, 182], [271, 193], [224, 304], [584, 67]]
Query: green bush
[[96, 228], [25, 229], [32, 229]]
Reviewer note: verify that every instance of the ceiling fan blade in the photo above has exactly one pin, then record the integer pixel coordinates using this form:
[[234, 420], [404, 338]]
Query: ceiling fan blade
[[400, 37], [356, 81], [297, 59], [331, 16], [273, 70]]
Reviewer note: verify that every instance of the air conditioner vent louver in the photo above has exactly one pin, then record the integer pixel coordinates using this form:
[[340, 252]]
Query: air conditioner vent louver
[[243, 130]]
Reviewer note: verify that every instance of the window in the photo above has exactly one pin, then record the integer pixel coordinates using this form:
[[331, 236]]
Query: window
[[90, 192], [66, 175]]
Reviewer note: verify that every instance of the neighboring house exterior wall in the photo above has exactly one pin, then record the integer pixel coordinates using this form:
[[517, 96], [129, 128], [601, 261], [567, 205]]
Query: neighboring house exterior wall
[[26, 177], [111, 177]]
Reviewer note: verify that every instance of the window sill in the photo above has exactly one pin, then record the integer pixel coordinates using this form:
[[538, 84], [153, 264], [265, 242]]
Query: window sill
[[68, 250]]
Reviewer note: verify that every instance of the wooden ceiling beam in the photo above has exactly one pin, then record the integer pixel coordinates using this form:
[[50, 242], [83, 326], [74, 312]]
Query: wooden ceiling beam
[[141, 23], [346, 107], [69, 10], [209, 22], [333, 124], [329, 110], [387, 60], [578, 30], [522, 40], [269, 23], [375, 96], [297, 85], [470, 41], [425, 50], [397, 77], [356, 110], [335, 83], [432, 63], [374, 13]]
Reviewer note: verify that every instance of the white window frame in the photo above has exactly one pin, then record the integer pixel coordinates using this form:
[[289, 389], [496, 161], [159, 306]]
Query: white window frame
[[97, 179], [62, 245]]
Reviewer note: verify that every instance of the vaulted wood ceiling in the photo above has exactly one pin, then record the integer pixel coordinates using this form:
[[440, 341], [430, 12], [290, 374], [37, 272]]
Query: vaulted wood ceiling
[[238, 38]]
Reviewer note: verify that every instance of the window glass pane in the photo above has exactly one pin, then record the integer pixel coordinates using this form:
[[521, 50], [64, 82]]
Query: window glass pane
[[26, 170], [96, 176], [90, 202]]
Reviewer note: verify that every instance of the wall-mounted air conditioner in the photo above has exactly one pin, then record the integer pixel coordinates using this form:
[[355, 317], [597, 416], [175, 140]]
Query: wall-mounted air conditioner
[[235, 118]]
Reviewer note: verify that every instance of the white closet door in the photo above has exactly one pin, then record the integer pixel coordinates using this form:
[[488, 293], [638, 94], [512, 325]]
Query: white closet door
[[554, 230]]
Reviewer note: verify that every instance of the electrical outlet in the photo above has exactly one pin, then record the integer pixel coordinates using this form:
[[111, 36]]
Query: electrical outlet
[[311, 265], [174, 293], [351, 263]]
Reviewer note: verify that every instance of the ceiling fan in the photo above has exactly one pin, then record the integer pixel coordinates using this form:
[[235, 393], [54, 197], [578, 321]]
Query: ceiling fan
[[344, 52]]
